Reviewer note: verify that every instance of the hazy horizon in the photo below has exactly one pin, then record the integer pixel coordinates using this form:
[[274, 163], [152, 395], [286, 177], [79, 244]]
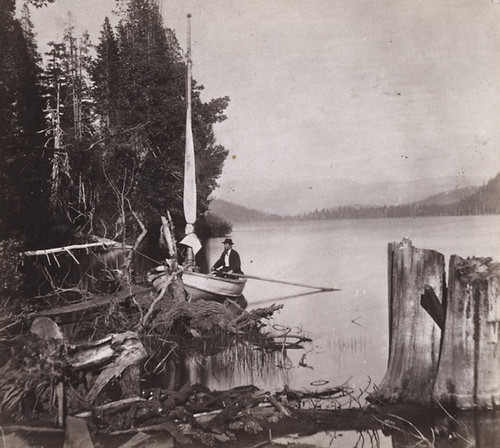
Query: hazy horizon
[[351, 193]]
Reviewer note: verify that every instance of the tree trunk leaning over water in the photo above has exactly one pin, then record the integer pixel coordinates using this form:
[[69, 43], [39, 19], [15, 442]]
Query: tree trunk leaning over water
[[414, 337], [469, 368]]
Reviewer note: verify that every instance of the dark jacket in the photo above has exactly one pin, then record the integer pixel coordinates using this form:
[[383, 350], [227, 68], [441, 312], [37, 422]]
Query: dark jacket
[[234, 262]]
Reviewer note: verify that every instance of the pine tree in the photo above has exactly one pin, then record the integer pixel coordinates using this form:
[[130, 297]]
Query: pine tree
[[23, 165], [106, 77]]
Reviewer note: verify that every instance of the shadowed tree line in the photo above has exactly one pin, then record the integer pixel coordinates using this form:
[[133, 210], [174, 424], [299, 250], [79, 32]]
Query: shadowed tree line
[[92, 139]]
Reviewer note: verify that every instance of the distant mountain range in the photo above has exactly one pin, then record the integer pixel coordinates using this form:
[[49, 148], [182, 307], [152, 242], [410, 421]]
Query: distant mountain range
[[237, 213], [294, 197], [449, 197], [458, 201]]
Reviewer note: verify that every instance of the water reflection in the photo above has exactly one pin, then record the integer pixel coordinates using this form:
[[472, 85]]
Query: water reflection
[[468, 429], [478, 429], [474, 429], [240, 364], [337, 439]]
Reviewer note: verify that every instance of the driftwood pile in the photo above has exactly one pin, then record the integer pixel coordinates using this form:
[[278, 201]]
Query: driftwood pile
[[116, 365]]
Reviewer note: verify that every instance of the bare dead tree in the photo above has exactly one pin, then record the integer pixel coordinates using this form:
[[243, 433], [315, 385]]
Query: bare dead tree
[[138, 240], [122, 194]]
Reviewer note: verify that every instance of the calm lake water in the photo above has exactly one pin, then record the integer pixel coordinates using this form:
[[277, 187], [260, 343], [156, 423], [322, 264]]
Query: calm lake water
[[349, 328]]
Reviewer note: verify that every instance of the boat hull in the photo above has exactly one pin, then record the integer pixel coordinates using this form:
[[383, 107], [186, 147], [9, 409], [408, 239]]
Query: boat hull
[[204, 286], [211, 287]]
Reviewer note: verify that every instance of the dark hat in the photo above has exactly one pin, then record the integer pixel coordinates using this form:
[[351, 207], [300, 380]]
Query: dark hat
[[228, 241]]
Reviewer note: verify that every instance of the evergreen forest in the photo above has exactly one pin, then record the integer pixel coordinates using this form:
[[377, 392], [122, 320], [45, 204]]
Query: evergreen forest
[[92, 135]]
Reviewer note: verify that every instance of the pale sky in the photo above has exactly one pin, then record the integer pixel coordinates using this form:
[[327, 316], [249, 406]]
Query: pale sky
[[329, 97]]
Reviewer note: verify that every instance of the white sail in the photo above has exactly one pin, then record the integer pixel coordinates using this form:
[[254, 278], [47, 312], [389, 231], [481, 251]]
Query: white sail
[[189, 176], [189, 195]]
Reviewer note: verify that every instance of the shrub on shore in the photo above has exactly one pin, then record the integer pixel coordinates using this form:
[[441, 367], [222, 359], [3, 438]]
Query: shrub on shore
[[212, 226]]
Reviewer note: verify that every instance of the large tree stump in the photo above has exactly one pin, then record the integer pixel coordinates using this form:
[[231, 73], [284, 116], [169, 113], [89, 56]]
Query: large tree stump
[[414, 337], [469, 368]]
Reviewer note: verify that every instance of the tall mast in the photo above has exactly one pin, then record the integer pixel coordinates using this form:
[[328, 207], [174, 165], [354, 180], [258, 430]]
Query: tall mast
[[189, 197]]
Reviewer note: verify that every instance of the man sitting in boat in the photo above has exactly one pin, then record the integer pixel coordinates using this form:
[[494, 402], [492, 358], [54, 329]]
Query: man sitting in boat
[[229, 261]]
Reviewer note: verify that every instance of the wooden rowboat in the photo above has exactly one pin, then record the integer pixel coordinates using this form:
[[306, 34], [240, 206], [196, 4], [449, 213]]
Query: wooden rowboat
[[211, 287], [204, 286]]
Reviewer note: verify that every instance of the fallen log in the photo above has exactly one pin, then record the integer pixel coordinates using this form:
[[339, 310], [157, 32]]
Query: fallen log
[[214, 400], [218, 422], [133, 352], [112, 407], [169, 427], [298, 395], [262, 410], [35, 429], [108, 244], [96, 302], [103, 351]]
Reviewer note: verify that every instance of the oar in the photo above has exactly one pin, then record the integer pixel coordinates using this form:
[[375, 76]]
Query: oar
[[264, 279]]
